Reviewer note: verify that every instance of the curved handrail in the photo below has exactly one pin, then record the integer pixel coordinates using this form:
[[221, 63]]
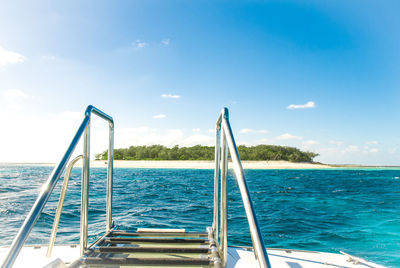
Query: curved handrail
[[52, 180], [228, 140], [60, 204]]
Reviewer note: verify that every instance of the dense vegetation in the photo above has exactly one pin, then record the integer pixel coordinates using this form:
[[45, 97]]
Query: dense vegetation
[[198, 152]]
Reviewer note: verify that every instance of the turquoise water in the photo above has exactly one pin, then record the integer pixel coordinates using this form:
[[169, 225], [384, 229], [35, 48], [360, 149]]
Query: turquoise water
[[357, 211]]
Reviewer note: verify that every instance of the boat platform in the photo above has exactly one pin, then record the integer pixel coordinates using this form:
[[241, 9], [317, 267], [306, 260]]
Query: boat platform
[[153, 248]]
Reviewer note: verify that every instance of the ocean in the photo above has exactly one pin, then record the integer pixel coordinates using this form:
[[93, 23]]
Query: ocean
[[355, 211]]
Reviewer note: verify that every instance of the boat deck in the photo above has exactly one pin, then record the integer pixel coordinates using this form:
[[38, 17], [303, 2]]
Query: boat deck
[[238, 257]]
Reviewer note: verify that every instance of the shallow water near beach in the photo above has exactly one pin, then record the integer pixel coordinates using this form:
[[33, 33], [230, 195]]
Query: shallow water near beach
[[356, 211]]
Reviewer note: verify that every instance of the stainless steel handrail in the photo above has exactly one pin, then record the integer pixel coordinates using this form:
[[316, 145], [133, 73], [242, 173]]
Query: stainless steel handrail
[[224, 132], [52, 180], [86, 175], [60, 204]]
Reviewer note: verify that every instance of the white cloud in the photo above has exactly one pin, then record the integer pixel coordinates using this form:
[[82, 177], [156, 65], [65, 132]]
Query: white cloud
[[265, 141], [211, 130], [44, 138], [249, 130], [310, 142], [288, 136], [140, 44], [338, 143], [10, 57], [196, 129], [256, 142], [356, 149], [351, 149], [159, 116], [14, 98], [68, 115], [12, 94], [245, 130], [372, 142], [170, 96], [48, 57], [199, 139], [309, 104], [308, 145], [165, 41], [145, 135], [50, 135]]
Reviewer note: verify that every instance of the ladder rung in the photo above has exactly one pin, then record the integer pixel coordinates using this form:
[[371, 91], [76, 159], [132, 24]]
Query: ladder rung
[[113, 249], [153, 261], [121, 240], [154, 230], [189, 234]]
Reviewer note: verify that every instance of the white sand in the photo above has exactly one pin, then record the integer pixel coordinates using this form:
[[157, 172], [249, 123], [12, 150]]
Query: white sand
[[208, 164], [189, 164]]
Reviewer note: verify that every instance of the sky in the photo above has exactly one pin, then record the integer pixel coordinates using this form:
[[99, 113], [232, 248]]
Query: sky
[[322, 76]]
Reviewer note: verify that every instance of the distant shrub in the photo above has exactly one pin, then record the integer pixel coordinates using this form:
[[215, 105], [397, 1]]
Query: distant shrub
[[198, 152]]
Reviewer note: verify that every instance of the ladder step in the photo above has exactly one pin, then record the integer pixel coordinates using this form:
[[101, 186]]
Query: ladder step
[[149, 261], [154, 230], [113, 249], [162, 234], [121, 240]]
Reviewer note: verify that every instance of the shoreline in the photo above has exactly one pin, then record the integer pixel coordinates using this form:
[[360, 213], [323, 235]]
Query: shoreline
[[207, 164]]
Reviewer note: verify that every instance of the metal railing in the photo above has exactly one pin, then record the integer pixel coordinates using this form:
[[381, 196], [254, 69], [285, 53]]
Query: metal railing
[[60, 204], [52, 180], [225, 140]]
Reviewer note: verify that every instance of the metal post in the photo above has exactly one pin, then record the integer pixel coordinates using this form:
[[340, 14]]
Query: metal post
[[110, 177], [224, 220], [60, 205], [85, 190], [216, 182], [258, 243]]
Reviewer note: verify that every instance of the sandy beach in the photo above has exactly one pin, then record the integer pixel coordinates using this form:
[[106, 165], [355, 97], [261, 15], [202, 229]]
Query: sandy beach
[[204, 164], [189, 164], [208, 164]]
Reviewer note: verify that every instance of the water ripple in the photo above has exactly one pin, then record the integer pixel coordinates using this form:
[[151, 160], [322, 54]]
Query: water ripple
[[357, 211]]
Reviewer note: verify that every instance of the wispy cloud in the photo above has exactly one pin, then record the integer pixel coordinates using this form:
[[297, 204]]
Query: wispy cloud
[[308, 105], [170, 96], [9, 57], [351, 149], [288, 136], [196, 129], [196, 139], [264, 141], [12, 94], [249, 130], [372, 142], [14, 98], [338, 143], [167, 137], [159, 116], [139, 44], [165, 41], [49, 57], [310, 142]]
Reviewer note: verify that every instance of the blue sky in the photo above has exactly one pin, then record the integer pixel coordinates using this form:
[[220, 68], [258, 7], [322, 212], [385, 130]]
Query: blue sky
[[318, 75]]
